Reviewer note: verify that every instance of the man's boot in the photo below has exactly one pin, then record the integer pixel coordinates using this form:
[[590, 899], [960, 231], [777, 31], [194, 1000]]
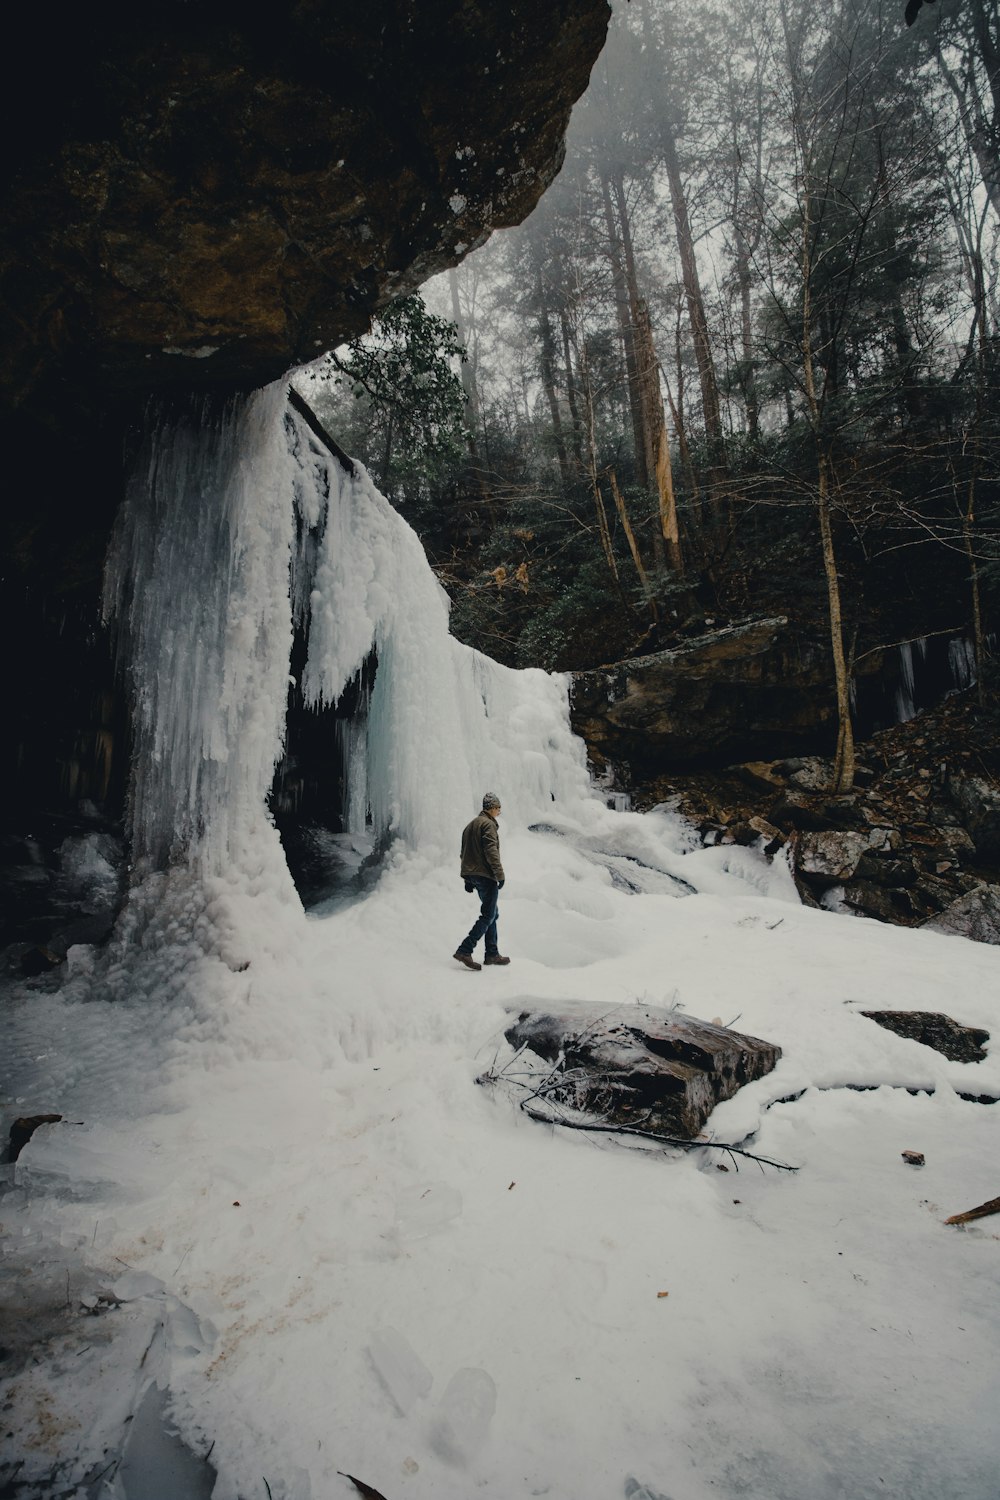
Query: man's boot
[[468, 960], [494, 958]]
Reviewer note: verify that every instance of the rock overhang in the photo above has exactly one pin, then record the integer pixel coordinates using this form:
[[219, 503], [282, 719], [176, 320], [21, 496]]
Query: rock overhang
[[215, 196]]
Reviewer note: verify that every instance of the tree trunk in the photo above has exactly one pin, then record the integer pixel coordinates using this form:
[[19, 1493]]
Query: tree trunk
[[843, 770], [603, 529], [627, 332], [571, 385], [547, 361], [980, 134], [623, 516], [693, 294], [646, 370], [749, 378], [468, 379], [659, 451]]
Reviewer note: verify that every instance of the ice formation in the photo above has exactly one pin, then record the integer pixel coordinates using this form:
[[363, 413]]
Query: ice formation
[[235, 523], [277, 1196]]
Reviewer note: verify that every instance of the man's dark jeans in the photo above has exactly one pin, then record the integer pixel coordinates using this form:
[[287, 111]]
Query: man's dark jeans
[[488, 891]]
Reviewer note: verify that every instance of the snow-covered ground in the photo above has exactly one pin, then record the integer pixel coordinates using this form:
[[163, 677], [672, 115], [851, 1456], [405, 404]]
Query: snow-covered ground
[[338, 1255]]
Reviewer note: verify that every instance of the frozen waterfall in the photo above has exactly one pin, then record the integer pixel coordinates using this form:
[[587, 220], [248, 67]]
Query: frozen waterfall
[[238, 526]]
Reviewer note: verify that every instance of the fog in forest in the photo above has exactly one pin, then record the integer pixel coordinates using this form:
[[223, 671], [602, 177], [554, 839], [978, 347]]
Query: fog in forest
[[743, 355]]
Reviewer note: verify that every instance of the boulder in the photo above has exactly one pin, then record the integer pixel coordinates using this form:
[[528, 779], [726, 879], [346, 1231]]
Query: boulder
[[933, 1029], [641, 1068], [832, 857], [793, 810], [755, 829], [941, 840], [882, 870], [811, 774], [863, 898], [975, 915], [978, 800]]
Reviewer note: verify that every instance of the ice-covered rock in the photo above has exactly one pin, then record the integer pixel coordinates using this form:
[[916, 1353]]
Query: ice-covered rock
[[644, 1069]]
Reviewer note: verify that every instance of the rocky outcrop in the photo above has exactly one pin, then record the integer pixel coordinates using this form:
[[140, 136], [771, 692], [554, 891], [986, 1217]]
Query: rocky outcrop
[[213, 193], [196, 197], [754, 689], [749, 690], [643, 1069], [906, 845]]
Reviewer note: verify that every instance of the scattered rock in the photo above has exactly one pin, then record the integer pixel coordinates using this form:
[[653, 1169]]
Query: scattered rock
[[932, 1028], [913, 1158], [795, 811], [975, 915], [978, 799], [833, 857], [865, 899], [895, 848], [811, 774], [647, 1069], [898, 872]]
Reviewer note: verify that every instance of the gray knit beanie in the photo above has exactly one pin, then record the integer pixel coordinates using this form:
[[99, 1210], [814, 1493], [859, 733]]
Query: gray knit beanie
[[490, 801]]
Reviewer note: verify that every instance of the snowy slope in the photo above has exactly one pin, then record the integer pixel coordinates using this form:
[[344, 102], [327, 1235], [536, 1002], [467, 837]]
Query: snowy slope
[[341, 1255]]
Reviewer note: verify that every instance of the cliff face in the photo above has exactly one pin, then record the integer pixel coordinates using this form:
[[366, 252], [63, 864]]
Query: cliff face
[[210, 194], [196, 197]]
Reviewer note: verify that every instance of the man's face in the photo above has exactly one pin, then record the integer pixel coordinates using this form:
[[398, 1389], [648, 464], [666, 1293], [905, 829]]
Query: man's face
[[493, 812]]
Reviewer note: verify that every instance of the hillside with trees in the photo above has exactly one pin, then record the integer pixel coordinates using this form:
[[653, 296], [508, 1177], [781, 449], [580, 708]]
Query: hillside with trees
[[743, 357]]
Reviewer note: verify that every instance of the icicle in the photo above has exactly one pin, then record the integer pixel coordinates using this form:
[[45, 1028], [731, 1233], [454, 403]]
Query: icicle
[[905, 706], [962, 663], [196, 584], [445, 723]]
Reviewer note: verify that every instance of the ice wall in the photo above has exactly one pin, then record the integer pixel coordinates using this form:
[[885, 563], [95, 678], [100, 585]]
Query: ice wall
[[238, 522], [445, 723], [196, 585]]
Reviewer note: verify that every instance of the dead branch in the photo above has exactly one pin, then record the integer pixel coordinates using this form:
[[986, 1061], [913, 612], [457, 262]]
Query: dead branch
[[651, 1135], [982, 1212]]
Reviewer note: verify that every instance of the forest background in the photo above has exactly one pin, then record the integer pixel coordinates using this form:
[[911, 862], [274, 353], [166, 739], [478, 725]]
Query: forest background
[[743, 358]]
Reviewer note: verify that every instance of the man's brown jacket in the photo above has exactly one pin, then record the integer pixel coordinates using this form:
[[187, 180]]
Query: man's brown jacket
[[481, 850]]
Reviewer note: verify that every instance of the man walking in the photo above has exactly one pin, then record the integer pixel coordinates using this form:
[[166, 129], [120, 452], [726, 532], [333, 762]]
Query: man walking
[[483, 873]]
